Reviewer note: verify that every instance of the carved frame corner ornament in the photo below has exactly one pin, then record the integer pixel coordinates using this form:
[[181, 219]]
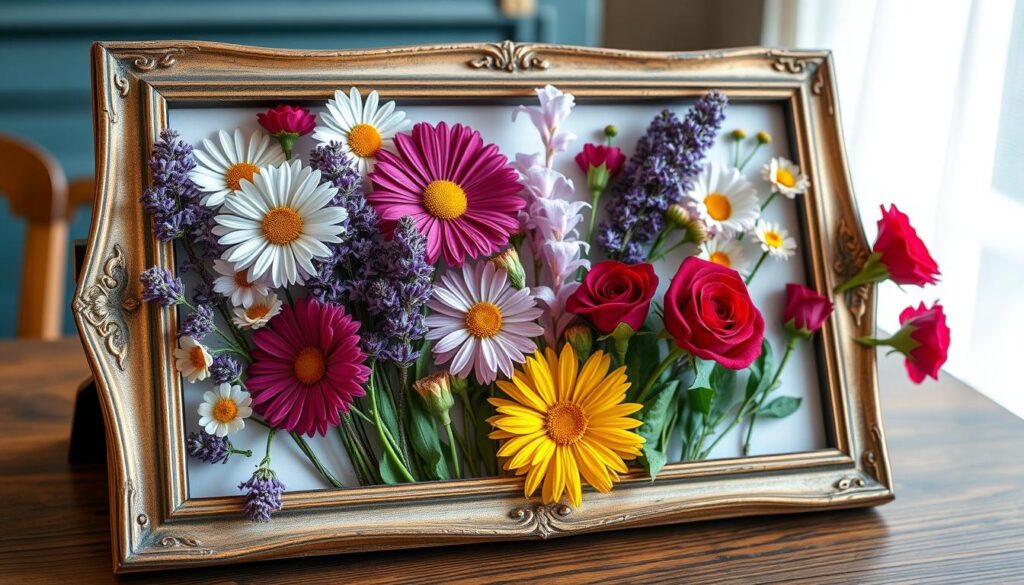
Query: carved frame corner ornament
[[157, 525], [510, 57]]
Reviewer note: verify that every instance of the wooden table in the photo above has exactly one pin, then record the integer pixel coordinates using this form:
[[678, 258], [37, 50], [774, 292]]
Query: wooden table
[[958, 515]]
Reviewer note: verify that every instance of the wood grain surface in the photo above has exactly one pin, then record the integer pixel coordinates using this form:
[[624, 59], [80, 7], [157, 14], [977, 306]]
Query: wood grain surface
[[958, 515]]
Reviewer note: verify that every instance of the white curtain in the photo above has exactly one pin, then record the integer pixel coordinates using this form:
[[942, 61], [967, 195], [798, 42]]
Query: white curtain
[[926, 88]]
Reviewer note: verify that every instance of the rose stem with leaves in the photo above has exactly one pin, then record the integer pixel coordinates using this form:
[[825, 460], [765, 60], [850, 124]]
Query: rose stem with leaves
[[759, 401]]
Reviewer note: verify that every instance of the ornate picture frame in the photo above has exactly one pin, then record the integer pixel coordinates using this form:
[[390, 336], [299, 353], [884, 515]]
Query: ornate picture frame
[[156, 524]]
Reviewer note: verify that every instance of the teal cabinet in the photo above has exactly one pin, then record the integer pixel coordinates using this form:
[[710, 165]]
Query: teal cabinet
[[44, 61]]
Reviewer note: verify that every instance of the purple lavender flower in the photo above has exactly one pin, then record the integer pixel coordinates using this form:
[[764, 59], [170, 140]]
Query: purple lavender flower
[[209, 448], [263, 494], [199, 324], [225, 369], [335, 168], [160, 286], [660, 172]]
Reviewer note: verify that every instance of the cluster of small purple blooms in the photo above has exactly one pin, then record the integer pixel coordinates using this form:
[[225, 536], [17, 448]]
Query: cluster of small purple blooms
[[387, 281], [209, 448], [160, 286], [262, 493], [667, 159]]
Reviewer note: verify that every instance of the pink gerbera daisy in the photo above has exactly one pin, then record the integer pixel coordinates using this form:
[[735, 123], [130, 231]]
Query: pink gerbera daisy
[[462, 194], [307, 366]]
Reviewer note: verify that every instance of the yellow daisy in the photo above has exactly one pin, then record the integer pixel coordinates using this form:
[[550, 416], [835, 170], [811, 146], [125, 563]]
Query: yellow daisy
[[565, 421]]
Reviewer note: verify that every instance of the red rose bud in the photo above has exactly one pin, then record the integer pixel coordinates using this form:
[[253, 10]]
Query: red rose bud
[[287, 123], [614, 293], [899, 255], [601, 164], [805, 310], [709, 313], [923, 339]]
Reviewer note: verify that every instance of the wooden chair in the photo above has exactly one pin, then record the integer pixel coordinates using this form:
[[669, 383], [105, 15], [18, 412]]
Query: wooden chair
[[36, 190]]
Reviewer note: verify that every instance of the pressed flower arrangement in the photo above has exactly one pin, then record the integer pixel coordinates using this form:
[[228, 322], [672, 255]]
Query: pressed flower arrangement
[[444, 310]]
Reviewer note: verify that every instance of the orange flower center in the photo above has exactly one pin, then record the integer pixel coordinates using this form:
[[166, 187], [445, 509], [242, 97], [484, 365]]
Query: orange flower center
[[257, 311], [484, 320], [364, 140], [719, 207], [282, 225], [773, 239], [310, 365], [444, 199], [225, 410], [784, 177], [197, 358], [566, 423], [238, 171], [721, 258], [242, 279]]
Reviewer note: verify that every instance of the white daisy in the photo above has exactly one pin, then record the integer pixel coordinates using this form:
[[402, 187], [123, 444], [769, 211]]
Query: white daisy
[[224, 410], [774, 240], [222, 167], [235, 284], [257, 313], [362, 129], [785, 177], [727, 252], [725, 200], [279, 223], [483, 324], [192, 359]]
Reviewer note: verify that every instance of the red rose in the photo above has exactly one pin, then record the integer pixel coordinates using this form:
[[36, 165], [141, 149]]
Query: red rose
[[613, 293], [902, 251], [805, 310], [928, 329], [709, 313], [287, 119], [595, 155]]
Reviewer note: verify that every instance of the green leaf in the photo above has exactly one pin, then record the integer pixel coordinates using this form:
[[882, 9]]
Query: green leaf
[[723, 380], [781, 407], [424, 361], [487, 446], [654, 415], [388, 473], [701, 393], [760, 371], [642, 358], [423, 439]]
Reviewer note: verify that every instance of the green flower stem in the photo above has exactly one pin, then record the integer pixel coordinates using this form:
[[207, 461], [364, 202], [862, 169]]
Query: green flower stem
[[682, 242], [288, 295], [750, 156], [246, 452], [357, 463], [305, 448], [400, 399], [461, 441], [768, 200], [265, 462], [473, 456], [385, 438], [759, 402], [360, 414], [452, 449], [595, 198], [757, 266], [673, 355], [873, 271], [736, 153]]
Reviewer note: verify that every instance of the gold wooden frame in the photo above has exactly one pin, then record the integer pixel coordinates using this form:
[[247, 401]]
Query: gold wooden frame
[[155, 524]]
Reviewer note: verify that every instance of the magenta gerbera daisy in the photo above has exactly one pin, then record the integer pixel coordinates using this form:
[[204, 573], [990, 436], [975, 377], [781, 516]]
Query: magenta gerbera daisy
[[306, 367], [462, 194]]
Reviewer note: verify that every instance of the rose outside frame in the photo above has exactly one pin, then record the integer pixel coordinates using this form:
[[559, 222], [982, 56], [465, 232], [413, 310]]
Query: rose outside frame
[[157, 525]]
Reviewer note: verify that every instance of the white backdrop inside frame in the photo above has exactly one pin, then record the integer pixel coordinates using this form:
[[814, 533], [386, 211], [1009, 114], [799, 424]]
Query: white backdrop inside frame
[[802, 431]]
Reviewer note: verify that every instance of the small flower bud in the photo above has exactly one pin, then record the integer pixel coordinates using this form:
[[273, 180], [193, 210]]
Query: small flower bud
[[581, 339], [611, 131], [764, 137], [681, 218], [458, 385], [678, 215], [739, 134], [436, 394], [509, 261]]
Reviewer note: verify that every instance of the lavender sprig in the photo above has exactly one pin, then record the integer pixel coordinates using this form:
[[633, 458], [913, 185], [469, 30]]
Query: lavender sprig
[[225, 369], [198, 324], [211, 448], [666, 160], [160, 286]]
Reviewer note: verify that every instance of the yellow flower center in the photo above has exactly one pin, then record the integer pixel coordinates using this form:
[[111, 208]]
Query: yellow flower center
[[719, 207], [238, 171], [257, 311], [310, 365], [364, 140], [444, 199], [282, 225], [197, 358], [721, 258], [784, 177], [565, 423], [773, 239], [484, 320], [225, 410], [242, 279]]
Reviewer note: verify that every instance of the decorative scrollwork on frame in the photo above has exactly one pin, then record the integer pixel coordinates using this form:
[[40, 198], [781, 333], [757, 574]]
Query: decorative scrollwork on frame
[[158, 58], [172, 541], [870, 456], [510, 57], [849, 483], [792, 63], [851, 254], [821, 89], [541, 520], [104, 304], [121, 84]]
